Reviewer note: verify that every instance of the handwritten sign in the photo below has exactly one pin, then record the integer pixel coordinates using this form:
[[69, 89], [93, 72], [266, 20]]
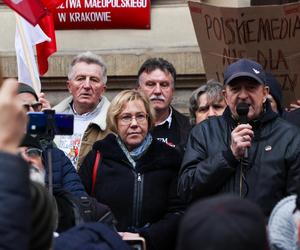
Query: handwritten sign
[[269, 35], [103, 14]]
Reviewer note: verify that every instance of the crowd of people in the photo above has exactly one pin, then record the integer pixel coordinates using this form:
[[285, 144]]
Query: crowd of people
[[137, 170]]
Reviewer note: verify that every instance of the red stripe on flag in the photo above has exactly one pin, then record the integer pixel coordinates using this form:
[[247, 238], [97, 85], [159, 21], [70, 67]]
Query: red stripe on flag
[[46, 49], [31, 10]]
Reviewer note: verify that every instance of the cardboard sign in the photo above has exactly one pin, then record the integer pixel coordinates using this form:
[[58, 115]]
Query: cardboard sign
[[103, 14], [269, 35]]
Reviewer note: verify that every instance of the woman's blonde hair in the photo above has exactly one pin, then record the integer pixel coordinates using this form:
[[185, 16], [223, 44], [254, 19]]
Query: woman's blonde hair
[[118, 104]]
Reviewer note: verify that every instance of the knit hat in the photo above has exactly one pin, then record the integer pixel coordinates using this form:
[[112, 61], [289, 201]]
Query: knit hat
[[24, 88], [221, 223], [282, 227], [275, 90], [30, 141]]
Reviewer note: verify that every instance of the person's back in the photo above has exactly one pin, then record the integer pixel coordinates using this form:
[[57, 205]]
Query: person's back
[[222, 223]]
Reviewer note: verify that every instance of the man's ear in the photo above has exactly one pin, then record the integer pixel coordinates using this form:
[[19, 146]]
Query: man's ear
[[225, 95], [68, 83], [266, 92]]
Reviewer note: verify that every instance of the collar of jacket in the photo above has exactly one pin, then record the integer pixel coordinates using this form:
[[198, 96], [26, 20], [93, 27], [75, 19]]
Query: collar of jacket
[[99, 120], [158, 155], [266, 116]]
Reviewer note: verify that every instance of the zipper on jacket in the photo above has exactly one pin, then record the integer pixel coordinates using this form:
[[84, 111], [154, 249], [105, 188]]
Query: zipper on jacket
[[137, 199], [241, 180]]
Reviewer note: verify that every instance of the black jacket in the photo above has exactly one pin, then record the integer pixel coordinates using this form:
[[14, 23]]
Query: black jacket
[[143, 199], [178, 132], [272, 172]]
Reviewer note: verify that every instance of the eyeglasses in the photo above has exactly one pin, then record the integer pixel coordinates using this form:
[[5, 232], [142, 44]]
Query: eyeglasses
[[127, 119], [37, 106], [33, 152]]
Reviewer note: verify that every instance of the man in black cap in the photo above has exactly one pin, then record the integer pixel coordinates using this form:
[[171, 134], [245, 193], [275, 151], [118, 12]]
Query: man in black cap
[[248, 150]]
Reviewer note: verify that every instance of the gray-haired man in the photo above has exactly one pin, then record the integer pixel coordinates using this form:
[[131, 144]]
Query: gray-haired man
[[86, 83]]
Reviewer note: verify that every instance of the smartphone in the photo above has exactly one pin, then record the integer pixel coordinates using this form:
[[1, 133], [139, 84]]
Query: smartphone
[[137, 243], [37, 123]]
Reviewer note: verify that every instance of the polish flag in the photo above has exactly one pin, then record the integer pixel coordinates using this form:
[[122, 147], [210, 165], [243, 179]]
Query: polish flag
[[27, 36], [39, 31], [45, 49], [30, 10]]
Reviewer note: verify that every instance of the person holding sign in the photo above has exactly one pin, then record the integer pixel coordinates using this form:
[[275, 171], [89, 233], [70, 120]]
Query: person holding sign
[[249, 150]]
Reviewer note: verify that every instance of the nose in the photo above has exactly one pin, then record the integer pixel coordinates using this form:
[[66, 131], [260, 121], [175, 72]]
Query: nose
[[157, 89], [27, 158], [243, 94], [211, 111], [86, 83], [133, 122]]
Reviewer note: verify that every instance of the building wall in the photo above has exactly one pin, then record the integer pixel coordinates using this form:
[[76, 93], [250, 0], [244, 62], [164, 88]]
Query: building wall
[[171, 36]]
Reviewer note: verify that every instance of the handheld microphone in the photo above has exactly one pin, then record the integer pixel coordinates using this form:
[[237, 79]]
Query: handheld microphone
[[242, 110]]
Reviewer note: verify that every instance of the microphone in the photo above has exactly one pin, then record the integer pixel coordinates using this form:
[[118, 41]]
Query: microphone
[[242, 110]]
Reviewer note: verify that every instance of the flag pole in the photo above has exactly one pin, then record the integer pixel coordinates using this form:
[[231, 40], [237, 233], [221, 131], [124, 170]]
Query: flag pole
[[29, 63]]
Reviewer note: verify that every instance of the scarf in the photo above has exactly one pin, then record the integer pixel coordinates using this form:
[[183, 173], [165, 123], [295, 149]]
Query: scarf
[[138, 151]]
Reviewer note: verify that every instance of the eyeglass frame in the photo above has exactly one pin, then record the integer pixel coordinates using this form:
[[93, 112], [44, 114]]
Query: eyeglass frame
[[131, 117], [26, 152]]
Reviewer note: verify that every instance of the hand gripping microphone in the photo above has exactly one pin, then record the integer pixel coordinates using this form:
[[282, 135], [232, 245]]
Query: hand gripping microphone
[[242, 110]]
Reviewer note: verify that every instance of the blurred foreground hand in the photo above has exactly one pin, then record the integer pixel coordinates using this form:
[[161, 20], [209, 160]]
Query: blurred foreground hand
[[13, 119]]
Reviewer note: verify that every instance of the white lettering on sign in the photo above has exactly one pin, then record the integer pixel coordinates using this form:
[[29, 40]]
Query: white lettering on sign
[[70, 4], [90, 17], [115, 3], [62, 17]]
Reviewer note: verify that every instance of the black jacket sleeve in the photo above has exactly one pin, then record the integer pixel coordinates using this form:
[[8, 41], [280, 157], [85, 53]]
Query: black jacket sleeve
[[202, 174]]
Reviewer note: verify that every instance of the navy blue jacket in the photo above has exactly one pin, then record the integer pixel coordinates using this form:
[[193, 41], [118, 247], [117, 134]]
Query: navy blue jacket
[[90, 236], [64, 174], [15, 200]]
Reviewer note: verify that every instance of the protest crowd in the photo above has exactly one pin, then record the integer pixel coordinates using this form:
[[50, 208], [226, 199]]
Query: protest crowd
[[136, 173]]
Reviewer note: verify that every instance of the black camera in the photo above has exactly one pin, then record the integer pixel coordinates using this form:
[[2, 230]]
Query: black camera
[[48, 122]]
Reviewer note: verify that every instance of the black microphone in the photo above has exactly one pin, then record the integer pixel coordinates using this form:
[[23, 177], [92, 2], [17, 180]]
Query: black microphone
[[242, 110]]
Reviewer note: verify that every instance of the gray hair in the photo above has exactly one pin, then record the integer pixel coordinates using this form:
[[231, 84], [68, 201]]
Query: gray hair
[[214, 91], [89, 58]]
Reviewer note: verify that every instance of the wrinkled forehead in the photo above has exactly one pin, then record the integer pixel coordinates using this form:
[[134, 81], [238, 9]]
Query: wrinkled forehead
[[26, 98]]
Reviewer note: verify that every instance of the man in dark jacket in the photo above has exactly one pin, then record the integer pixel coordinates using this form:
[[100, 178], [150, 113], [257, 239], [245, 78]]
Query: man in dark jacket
[[259, 160], [156, 78]]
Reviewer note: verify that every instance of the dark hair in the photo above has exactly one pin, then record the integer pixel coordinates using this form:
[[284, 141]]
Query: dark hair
[[223, 222], [157, 63]]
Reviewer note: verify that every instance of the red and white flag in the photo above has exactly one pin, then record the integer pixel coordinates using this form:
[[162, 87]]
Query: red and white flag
[[47, 48], [31, 10], [27, 36]]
